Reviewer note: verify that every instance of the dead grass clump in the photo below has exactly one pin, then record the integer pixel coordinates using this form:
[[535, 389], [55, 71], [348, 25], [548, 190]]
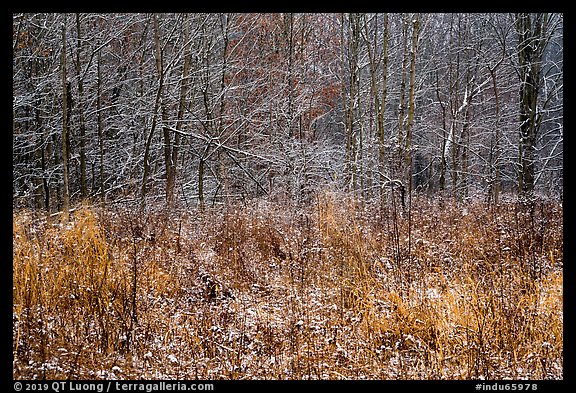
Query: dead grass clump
[[65, 274]]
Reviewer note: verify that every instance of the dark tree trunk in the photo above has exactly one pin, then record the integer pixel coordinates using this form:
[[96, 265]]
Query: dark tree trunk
[[531, 31]]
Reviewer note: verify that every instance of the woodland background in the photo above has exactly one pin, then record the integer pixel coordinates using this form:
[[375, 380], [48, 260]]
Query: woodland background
[[206, 108]]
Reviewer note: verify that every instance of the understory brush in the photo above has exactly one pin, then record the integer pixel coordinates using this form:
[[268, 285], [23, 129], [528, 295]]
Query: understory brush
[[338, 289]]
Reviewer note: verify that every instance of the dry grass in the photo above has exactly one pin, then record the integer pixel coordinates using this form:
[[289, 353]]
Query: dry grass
[[335, 290]]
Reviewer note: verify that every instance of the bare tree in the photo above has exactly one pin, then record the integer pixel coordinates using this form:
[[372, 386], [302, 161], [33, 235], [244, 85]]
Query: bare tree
[[532, 40], [65, 119]]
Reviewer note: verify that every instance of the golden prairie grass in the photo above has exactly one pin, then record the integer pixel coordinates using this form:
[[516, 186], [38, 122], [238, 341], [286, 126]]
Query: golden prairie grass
[[334, 290]]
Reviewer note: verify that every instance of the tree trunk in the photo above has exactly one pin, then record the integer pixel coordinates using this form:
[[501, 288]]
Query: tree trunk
[[82, 125], [65, 134], [184, 85], [402, 98], [494, 159], [411, 102], [442, 169], [531, 31], [379, 93], [100, 128], [289, 21], [383, 98], [351, 101], [201, 183], [168, 162], [146, 163]]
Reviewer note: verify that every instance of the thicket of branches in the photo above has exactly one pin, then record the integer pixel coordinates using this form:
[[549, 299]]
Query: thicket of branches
[[194, 109]]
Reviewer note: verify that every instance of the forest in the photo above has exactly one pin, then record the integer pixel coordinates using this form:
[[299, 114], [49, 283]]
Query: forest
[[287, 196]]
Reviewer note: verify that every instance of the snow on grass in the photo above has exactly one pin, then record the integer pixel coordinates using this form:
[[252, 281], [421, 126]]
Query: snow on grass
[[327, 291]]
